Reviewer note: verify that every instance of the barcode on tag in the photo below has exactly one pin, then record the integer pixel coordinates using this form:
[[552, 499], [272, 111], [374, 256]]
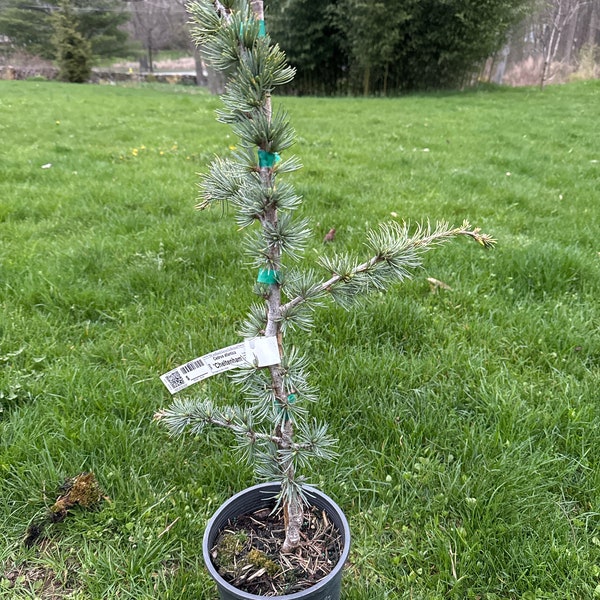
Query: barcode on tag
[[192, 366], [174, 381]]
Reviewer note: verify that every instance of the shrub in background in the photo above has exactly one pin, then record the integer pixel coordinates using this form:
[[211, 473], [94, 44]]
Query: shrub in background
[[73, 51]]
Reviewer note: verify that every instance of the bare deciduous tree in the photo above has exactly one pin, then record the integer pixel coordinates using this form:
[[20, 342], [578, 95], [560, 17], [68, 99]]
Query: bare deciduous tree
[[549, 43], [557, 16], [157, 25]]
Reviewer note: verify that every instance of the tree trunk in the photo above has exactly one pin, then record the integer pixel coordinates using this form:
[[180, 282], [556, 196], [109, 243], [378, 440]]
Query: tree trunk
[[258, 9], [569, 41], [550, 38], [293, 510], [367, 81], [386, 74], [498, 74], [594, 23], [216, 81], [201, 73], [150, 54]]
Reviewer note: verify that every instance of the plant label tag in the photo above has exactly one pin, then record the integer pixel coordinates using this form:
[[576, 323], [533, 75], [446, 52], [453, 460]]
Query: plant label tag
[[258, 351], [262, 351]]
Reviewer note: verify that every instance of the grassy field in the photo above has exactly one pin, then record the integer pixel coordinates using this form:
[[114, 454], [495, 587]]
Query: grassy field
[[468, 419]]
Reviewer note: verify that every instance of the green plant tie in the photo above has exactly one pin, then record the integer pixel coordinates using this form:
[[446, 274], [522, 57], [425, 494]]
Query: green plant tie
[[282, 409], [262, 30], [267, 159], [268, 276]]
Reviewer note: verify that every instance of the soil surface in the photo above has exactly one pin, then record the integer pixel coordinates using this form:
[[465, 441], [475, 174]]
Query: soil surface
[[247, 553]]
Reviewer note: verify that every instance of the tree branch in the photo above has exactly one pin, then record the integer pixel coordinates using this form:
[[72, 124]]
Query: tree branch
[[417, 242], [176, 421]]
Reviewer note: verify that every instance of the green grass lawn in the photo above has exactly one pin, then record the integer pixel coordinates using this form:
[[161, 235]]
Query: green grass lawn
[[469, 419]]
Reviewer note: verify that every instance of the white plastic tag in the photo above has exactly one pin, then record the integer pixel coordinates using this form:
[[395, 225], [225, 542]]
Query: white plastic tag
[[262, 351], [258, 351]]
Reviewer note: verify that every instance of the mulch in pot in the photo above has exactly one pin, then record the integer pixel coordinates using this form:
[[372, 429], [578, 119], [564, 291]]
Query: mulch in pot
[[247, 552]]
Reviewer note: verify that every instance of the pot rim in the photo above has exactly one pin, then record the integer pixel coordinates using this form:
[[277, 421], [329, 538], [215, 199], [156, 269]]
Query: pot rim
[[273, 487]]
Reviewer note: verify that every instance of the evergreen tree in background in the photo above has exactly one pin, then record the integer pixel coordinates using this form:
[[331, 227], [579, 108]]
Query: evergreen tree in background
[[314, 44], [73, 51], [100, 21], [29, 26], [390, 46]]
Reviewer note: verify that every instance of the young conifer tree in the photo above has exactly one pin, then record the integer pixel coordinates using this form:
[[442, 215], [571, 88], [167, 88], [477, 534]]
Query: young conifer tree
[[73, 51], [273, 431]]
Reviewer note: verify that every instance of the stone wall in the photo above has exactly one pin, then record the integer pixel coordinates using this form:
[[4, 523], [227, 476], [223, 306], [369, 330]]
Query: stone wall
[[10, 72]]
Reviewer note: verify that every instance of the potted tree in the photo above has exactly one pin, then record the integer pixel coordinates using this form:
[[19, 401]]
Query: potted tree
[[261, 541]]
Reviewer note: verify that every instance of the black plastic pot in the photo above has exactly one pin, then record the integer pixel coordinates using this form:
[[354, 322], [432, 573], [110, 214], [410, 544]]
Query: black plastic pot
[[261, 496]]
